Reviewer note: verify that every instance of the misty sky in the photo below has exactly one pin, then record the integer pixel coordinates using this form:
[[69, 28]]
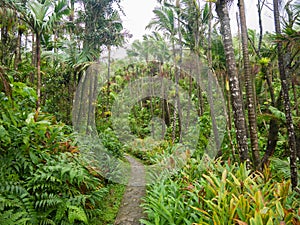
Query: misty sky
[[139, 13]]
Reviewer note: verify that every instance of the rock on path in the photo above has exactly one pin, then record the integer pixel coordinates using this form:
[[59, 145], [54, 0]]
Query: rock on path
[[130, 211]]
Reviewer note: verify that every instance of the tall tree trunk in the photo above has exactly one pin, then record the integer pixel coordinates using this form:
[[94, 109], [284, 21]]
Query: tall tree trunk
[[2, 43], [210, 94], [73, 75], [274, 127], [33, 57], [4, 81], [200, 101], [178, 10], [163, 105], [176, 101], [260, 4], [274, 124], [236, 98], [18, 49], [249, 88], [108, 77], [286, 100], [228, 116], [196, 48], [38, 67], [92, 73], [4, 40], [239, 65], [294, 87], [178, 71]]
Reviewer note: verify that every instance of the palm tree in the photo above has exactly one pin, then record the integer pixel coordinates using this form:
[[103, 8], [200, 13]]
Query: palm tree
[[9, 25], [249, 87], [286, 99], [139, 50], [41, 22], [236, 98], [159, 48], [195, 23], [210, 95], [42, 18], [165, 20]]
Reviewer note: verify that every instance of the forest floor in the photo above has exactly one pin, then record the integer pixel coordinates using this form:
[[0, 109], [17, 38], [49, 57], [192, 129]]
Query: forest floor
[[130, 211]]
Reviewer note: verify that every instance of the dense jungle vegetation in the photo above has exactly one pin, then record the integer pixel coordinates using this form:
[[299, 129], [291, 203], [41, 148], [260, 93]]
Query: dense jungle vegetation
[[232, 100]]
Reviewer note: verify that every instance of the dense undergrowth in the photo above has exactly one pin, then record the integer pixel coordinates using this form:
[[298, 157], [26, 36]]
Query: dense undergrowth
[[221, 193], [215, 192], [111, 204], [43, 177]]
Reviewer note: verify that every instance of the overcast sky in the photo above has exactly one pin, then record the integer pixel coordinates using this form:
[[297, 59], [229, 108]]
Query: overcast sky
[[139, 13]]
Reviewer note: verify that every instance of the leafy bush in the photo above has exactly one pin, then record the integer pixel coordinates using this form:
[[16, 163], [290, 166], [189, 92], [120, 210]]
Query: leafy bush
[[150, 150], [223, 194], [234, 195], [111, 142], [43, 178]]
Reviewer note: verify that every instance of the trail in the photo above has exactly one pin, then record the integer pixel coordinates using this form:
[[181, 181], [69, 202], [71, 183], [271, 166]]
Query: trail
[[130, 211]]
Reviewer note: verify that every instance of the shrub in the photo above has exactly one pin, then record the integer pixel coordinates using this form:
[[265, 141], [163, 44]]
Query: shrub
[[221, 193], [43, 178]]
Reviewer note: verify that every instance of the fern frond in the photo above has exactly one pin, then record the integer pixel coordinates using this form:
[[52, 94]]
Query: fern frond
[[76, 213], [48, 201], [13, 218]]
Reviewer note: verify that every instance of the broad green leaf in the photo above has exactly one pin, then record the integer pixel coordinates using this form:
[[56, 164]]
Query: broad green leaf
[[34, 158], [257, 220], [277, 113], [279, 209], [4, 135], [30, 118]]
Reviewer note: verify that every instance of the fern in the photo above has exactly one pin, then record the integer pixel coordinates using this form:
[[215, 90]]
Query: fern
[[13, 218], [281, 169], [47, 201], [46, 221], [42, 180], [61, 211], [76, 213]]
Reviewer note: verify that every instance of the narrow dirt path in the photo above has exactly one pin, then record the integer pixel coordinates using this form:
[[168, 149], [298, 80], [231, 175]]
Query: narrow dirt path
[[130, 211]]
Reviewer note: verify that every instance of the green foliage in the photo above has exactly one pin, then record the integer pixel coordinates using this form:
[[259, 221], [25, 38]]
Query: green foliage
[[111, 142], [143, 114], [11, 217], [281, 169], [111, 204], [151, 151], [43, 178], [234, 194], [221, 193], [24, 96], [277, 114]]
